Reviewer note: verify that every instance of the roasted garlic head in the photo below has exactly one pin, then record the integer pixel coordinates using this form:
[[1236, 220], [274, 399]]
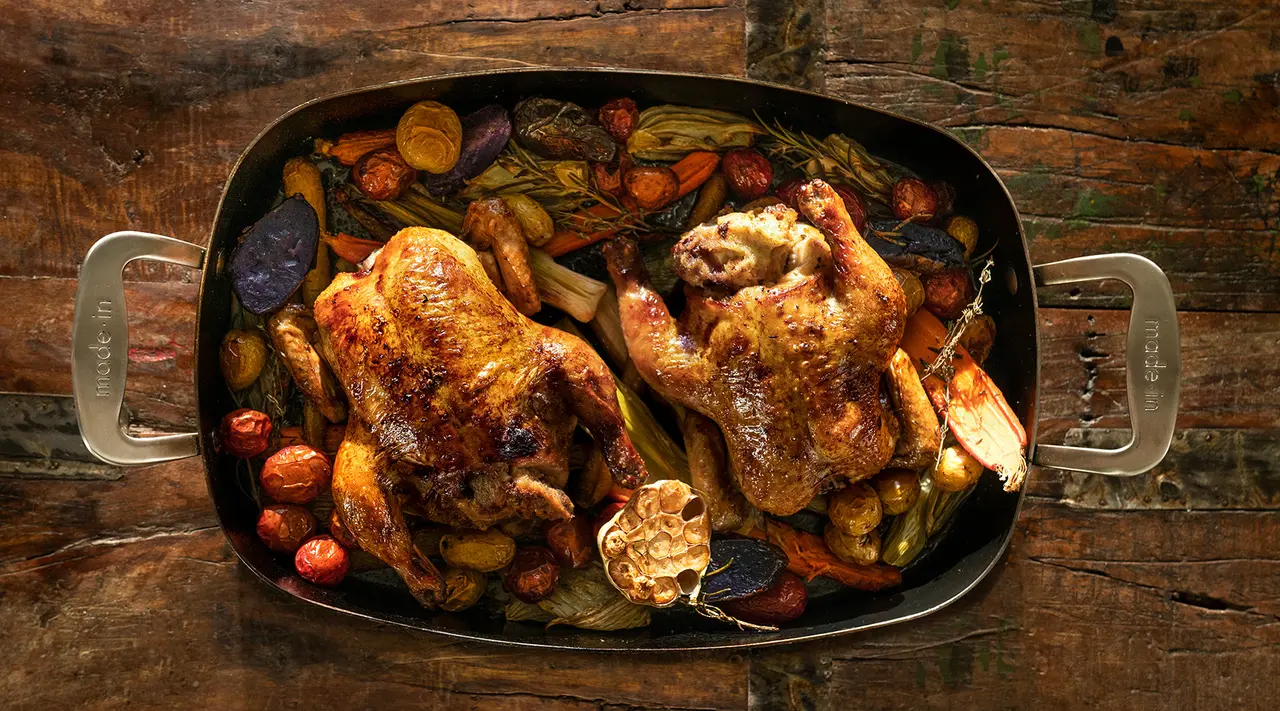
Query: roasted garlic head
[[656, 548]]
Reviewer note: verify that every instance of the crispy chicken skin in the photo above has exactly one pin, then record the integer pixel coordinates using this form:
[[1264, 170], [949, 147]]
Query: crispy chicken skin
[[790, 371], [462, 409]]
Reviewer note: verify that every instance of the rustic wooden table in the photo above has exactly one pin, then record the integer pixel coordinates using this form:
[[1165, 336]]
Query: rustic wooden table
[[1149, 126]]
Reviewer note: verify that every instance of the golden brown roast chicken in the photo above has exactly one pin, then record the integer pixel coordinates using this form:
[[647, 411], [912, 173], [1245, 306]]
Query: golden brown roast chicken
[[783, 344], [461, 408]]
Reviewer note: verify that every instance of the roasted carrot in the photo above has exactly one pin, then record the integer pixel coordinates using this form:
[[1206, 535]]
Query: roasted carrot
[[978, 415], [566, 241], [351, 147], [808, 557], [694, 169], [352, 249]]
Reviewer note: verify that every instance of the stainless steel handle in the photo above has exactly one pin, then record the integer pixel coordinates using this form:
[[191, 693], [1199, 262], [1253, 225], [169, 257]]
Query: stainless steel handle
[[100, 349], [1153, 364]]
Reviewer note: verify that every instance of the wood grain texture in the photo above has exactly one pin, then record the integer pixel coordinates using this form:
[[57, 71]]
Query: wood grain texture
[[138, 615], [1151, 127], [132, 118]]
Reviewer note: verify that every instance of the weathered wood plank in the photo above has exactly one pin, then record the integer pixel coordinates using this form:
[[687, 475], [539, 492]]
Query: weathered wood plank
[[1091, 609], [1195, 73], [1228, 380], [1205, 469], [89, 152], [1150, 127], [1190, 616], [35, 345], [174, 621]]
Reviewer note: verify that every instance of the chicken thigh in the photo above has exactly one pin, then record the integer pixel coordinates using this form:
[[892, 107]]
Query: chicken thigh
[[789, 364], [461, 408]]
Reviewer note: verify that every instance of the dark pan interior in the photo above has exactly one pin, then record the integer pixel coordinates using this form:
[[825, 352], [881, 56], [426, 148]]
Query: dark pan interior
[[978, 535]]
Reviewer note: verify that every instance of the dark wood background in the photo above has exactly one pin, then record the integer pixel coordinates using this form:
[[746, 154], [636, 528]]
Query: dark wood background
[[1148, 126]]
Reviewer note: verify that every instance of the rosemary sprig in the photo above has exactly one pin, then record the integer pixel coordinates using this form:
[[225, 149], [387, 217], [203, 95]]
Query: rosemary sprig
[[836, 156]]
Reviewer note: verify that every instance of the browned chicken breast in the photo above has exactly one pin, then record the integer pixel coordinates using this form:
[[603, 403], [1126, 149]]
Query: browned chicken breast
[[461, 408], [788, 365]]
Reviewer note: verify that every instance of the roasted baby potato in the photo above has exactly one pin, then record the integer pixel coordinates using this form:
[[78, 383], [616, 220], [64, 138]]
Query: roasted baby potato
[[898, 490], [462, 588], [858, 550], [485, 551], [241, 357], [855, 509], [956, 470]]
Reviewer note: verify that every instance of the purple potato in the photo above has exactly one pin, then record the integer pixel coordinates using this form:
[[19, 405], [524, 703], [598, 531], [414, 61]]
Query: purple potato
[[741, 567], [919, 248], [485, 133], [275, 255]]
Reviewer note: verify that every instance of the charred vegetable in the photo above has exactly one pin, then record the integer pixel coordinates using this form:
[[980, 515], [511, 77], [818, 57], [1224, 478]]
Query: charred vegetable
[[652, 186], [898, 490], [748, 172], [533, 574], [462, 588], [565, 289], [296, 474], [655, 549], [619, 118], [965, 231], [741, 567], [275, 255], [534, 220], [855, 509], [919, 248], [858, 550], [956, 470], [561, 129], [485, 551], [947, 293], [913, 199], [572, 542], [485, 133]]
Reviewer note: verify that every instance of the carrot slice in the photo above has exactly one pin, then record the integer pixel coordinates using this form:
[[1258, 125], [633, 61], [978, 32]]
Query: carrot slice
[[568, 240], [809, 557], [352, 249], [978, 416], [694, 169], [351, 147]]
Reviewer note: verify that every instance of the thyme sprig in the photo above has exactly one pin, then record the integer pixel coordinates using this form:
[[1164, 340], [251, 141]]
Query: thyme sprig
[[943, 365]]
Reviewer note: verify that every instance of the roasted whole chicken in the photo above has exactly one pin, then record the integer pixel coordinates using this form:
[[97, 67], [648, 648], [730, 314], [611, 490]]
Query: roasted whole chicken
[[461, 408], [783, 343]]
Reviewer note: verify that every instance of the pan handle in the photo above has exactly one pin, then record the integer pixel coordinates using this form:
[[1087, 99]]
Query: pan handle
[[1153, 364], [100, 349]]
